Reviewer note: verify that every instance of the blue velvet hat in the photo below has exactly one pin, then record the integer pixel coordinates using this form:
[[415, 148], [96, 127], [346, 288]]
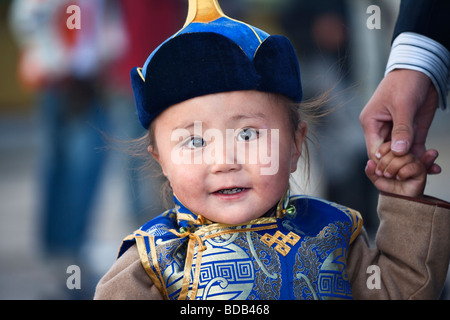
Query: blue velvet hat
[[213, 53]]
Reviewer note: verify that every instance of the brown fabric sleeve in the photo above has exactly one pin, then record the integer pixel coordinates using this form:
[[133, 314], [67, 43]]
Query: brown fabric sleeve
[[412, 250], [127, 280]]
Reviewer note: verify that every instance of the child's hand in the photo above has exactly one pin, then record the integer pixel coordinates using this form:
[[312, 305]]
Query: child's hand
[[404, 175]]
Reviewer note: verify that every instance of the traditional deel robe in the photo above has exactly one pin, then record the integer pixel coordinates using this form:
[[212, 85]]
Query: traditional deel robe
[[300, 253]]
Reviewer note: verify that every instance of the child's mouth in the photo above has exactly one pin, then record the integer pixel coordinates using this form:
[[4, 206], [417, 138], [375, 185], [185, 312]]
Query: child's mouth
[[231, 191]]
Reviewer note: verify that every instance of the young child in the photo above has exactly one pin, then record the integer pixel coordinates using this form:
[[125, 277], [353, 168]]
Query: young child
[[221, 102]]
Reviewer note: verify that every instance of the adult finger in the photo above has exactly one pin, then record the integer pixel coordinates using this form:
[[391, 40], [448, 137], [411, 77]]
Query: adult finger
[[402, 133], [376, 131]]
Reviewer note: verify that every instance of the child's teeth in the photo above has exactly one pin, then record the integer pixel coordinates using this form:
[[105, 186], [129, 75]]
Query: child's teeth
[[231, 191]]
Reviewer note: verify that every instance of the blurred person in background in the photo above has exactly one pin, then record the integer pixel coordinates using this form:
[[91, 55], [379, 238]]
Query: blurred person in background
[[82, 80], [65, 67]]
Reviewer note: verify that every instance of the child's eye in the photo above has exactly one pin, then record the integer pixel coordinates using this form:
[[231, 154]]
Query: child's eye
[[247, 134], [195, 142]]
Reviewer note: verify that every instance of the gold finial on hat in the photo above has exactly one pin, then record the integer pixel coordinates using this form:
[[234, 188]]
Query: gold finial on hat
[[203, 11]]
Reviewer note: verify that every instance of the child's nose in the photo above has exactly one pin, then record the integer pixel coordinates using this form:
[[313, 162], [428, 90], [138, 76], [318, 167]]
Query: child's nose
[[224, 159], [219, 167]]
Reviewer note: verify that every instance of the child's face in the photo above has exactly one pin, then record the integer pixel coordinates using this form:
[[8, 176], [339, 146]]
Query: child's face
[[228, 156]]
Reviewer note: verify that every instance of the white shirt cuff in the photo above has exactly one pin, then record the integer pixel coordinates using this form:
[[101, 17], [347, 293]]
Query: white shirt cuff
[[418, 52]]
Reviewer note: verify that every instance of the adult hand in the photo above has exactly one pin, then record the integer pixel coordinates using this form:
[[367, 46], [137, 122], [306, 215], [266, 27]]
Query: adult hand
[[401, 110]]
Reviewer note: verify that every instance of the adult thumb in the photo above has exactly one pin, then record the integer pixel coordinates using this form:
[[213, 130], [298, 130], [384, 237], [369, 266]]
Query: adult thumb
[[402, 138]]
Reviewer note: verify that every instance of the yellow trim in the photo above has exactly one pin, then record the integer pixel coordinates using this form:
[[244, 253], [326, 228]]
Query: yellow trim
[[216, 226], [220, 233], [162, 286], [139, 70], [187, 270], [357, 222], [196, 279], [187, 217], [127, 238], [140, 243], [246, 24], [355, 217], [281, 212], [178, 213]]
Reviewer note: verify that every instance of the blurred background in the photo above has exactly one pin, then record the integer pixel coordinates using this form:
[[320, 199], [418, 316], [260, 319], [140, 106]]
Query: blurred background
[[70, 191]]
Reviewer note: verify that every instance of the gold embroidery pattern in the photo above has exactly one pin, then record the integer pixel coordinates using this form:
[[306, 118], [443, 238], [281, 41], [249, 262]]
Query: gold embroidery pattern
[[282, 241]]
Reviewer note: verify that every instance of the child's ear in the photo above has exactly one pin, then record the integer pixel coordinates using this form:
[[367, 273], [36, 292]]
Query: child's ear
[[154, 152], [300, 135]]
